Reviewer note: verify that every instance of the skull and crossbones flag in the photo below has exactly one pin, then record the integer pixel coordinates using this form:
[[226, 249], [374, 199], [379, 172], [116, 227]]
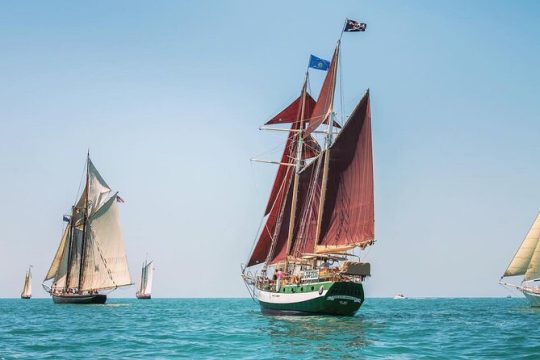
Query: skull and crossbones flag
[[353, 26]]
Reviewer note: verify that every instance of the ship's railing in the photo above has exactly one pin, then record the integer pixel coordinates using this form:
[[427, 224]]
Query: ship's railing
[[330, 274]]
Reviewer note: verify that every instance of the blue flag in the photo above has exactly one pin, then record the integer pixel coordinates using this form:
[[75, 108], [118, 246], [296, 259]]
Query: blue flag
[[318, 63]]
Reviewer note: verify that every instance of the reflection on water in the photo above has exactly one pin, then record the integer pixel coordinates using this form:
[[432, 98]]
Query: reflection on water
[[291, 335]]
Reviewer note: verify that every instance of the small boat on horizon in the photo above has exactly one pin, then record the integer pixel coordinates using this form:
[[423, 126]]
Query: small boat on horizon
[[526, 262], [26, 292], [145, 286], [91, 257], [399, 296]]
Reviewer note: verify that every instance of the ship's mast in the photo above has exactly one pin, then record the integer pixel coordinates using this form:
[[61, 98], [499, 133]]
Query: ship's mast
[[328, 144], [85, 220], [298, 168]]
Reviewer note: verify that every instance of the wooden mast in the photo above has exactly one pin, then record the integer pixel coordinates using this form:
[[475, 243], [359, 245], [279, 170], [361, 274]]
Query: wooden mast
[[328, 143], [296, 173], [85, 220]]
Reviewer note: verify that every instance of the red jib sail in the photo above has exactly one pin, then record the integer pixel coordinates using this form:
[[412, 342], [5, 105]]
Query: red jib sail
[[323, 107]]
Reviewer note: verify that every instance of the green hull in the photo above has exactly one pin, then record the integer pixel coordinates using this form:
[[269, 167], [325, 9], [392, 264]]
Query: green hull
[[329, 298]]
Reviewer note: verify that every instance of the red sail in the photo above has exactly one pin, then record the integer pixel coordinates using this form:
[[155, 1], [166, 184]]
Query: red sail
[[308, 203], [292, 112], [277, 208], [326, 97], [281, 186], [348, 214]]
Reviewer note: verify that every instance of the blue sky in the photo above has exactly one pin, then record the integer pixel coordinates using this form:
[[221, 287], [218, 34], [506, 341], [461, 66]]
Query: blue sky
[[169, 96]]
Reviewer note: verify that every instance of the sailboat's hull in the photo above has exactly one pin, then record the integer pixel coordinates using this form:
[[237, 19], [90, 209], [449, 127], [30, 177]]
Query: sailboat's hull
[[26, 297], [322, 298], [80, 299], [532, 297], [144, 296]]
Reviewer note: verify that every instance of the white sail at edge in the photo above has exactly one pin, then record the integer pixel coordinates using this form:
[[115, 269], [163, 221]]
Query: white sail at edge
[[526, 261]]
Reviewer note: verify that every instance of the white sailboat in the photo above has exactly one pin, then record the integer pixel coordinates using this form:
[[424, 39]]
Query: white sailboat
[[526, 262], [145, 286], [91, 257], [26, 292]]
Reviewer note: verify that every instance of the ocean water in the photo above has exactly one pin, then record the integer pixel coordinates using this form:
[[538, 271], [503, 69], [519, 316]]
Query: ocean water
[[496, 328]]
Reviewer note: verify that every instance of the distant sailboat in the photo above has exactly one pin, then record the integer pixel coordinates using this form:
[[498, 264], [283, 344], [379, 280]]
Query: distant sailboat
[[526, 262], [145, 287], [399, 297], [91, 257], [321, 207], [26, 292]]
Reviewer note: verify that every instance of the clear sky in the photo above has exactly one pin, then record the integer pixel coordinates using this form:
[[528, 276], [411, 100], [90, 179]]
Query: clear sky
[[169, 95]]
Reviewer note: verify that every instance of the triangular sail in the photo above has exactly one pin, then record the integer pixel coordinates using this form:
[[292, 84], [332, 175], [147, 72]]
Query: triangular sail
[[526, 261], [348, 216], [276, 202], [291, 113], [105, 263], [274, 231], [97, 191], [27, 287], [148, 278], [323, 107], [143, 278], [57, 260]]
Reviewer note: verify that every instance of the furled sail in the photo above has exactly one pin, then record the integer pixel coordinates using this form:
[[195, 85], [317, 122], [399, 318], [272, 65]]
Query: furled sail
[[526, 261], [105, 263]]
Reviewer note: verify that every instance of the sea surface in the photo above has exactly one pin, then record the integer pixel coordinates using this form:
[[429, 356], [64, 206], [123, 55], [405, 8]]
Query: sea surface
[[495, 328]]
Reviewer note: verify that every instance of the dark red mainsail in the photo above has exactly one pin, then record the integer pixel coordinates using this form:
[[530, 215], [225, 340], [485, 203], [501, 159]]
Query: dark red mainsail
[[348, 215]]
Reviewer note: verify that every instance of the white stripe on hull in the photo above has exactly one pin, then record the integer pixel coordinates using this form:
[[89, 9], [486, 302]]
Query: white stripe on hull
[[533, 298], [287, 298]]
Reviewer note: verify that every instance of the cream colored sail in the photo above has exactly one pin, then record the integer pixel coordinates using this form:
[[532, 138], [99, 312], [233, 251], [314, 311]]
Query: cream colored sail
[[105, 263], [55, 266], [98, 191], [27, 287], [148, 276], [527, 259]]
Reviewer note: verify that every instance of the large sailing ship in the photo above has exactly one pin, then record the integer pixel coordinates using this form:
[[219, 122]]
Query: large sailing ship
[[526, 262], [145, 286], [26, 292], [320, 211], [91, 257]]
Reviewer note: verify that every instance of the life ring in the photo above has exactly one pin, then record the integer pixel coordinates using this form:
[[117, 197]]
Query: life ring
[[321, 290]]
